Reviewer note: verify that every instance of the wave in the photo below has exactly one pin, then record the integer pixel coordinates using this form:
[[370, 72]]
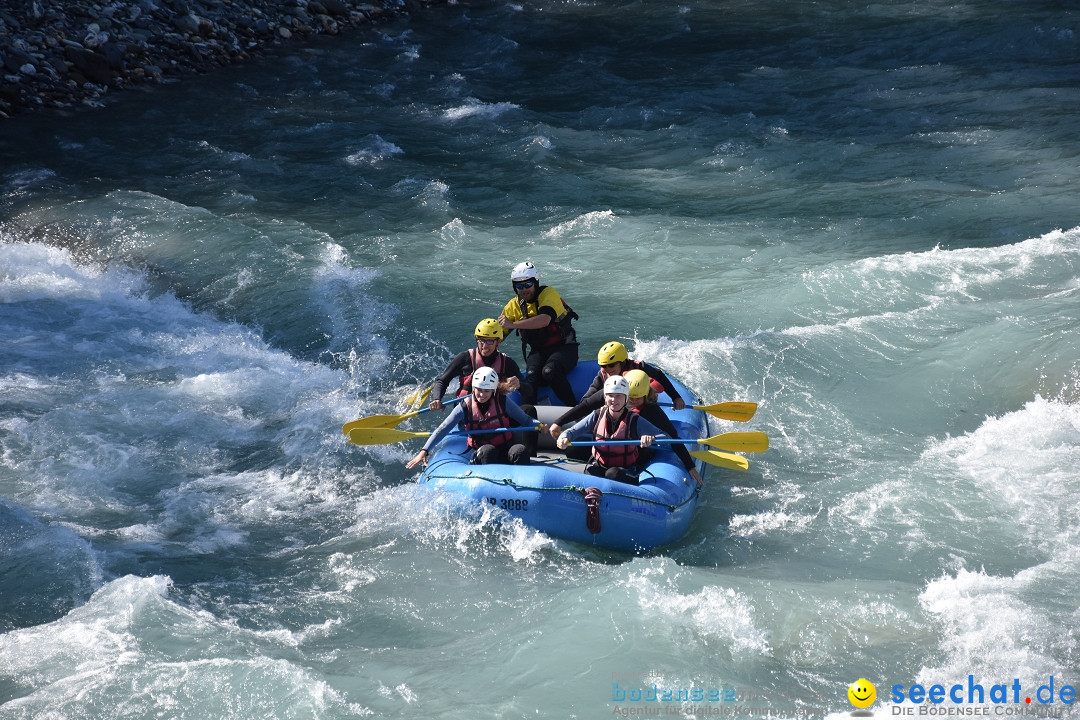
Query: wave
[[476, 108], [134, 650]]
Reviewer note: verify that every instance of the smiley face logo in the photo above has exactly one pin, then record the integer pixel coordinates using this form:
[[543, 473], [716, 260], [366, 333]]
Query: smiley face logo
[[862, 693]]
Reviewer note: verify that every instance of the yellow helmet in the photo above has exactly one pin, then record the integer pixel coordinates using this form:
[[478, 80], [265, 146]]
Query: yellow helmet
[[639, 383], [612, 352], [489, 328]]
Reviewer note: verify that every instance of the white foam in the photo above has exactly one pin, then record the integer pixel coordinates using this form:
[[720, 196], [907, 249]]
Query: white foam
[[442, 518], [1028, 460], [374, 151], [711, 613], [133, 649], [476, 108], [1001, 626], [34, 271], [587, 225]]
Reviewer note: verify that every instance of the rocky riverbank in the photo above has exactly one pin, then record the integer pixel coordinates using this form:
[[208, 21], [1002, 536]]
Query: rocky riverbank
[[65, 53]]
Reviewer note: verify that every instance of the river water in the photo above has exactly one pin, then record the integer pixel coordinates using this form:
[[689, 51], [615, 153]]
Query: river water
[[863, 217]]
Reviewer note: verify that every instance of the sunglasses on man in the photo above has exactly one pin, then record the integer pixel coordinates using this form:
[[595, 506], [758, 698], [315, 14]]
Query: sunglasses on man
[[524, 285]]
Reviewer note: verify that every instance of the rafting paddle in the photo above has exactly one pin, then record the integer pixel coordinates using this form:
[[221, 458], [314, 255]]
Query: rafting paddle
[[385, 436], [418, 397], [389, 421], [721, 459], [737, 441], [737, 411]]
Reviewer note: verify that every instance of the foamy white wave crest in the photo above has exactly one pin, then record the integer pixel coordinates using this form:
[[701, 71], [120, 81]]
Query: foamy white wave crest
[[1028, 460], [374, 151], [476, 108], [131, 648], [585, 225], [768, 523], [701, 363], [439, 517], [964, 272], [991, 631], [711, 613], [33, 271]]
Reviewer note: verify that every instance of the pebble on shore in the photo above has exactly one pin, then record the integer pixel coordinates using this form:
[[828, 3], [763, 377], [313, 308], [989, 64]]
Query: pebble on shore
[[63, 53]]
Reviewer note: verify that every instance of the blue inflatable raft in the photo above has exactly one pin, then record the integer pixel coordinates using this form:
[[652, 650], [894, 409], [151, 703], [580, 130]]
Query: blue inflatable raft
[[554, 495]]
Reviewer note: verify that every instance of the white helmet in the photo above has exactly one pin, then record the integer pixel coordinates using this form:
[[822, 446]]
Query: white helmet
[[524, 271], [616, 385], [485, 379]]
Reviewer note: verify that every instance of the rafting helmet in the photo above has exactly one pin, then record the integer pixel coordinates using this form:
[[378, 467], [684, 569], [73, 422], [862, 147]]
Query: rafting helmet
[[639, 383], [612, 352], [616, 385], [524, 271], [489, 328], [485, 379]]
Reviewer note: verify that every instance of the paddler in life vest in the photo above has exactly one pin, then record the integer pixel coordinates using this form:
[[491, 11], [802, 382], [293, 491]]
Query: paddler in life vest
[[489, 334], [615, 421], [640, 399], [484, 409], [548, 340], [614, 360]]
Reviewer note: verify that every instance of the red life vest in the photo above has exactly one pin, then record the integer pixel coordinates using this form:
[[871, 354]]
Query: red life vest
[[616, 455], [494, 416], [498, 364]]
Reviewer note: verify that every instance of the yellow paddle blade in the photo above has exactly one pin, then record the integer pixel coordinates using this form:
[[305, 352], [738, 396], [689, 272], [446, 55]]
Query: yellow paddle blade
[[719, 459], [418, 397], [737, 411], [377, 421], [738, 441], [382, 436], [389, 421]]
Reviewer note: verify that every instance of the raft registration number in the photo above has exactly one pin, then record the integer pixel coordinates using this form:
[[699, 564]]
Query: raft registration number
[[509, 503]]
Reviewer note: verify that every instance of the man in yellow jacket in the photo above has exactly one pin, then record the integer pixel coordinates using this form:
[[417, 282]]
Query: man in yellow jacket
[[548, 340]]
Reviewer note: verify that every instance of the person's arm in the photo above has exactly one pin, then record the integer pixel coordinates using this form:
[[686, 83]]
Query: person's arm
[[455, 369], [456, 416], [583, 408], [648, 432], [659, 376], [544, 316], [549, 308], [514, 378], [580, 427], [521, 417]]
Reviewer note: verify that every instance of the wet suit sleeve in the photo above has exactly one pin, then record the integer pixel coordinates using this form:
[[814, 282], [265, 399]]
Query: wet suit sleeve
[[455, 369], [581, 427], [583, 408], [520, 417], [658, 375], [456, 416], [512, 368], [656, 416], [644, 427]]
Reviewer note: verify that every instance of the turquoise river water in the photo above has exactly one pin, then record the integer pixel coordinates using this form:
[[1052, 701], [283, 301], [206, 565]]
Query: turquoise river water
[[864, 217]]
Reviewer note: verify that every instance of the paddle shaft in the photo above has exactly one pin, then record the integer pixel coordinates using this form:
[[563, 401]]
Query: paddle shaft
[[389, 421], [737, 441]]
